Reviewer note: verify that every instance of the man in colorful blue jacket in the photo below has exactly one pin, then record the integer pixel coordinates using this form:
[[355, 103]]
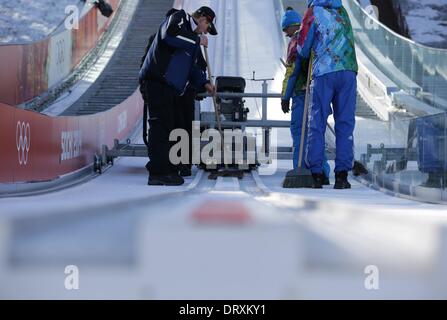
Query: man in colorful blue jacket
[[291, 25], [327, 34]]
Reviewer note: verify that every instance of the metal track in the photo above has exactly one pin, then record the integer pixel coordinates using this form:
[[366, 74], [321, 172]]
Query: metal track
[[120, 78]]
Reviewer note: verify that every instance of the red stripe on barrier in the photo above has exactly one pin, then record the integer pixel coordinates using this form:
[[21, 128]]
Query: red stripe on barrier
[[91, 143], [33, 75], [85, 37], [7, 143], [10, 64], [35, 147]]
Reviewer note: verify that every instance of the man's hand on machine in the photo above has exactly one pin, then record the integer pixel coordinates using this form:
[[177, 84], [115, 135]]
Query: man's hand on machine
[[204, 41], [210, 89], [285, 106]]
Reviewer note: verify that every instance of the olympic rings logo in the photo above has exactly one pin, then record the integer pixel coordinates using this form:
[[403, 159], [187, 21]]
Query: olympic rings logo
[[23, 141]]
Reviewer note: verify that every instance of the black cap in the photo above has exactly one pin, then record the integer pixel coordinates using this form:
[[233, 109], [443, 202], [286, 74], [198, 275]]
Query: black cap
[[210, 15]]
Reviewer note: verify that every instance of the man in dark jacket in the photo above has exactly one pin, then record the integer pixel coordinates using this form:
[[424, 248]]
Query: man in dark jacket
[[170, 65]]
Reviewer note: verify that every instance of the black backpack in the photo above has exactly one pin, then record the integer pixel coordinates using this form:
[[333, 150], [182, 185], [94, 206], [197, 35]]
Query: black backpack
[[152, 38]]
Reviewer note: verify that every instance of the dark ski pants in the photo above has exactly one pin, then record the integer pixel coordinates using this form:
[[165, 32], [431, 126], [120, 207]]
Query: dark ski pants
[[161, 101], [184, 116]]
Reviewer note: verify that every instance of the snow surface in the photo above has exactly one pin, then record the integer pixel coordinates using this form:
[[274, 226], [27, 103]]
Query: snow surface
[[257, 49], [339, 233], [24, 21], [127, 179], [427, 21]]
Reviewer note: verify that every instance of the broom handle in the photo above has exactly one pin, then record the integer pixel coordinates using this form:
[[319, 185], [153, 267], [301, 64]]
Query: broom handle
[[306, 107], [216, 109]]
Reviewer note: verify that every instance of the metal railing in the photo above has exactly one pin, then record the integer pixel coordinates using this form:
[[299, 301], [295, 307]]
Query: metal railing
[[415, 168], [415, 68], [263, 122]]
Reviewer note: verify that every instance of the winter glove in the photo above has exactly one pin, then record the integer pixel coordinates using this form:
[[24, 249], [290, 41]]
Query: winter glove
[[197, 98], [285, 105], [199, 91]]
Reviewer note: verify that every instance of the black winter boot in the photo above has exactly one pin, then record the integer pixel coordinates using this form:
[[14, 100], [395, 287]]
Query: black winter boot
[[341, 180], [318, 180], [185, 171], [165, 180], [434, 180]]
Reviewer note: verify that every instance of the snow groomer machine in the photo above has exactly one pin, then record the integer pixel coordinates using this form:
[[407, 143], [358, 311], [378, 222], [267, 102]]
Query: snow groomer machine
[[246, 142], [239, 147]]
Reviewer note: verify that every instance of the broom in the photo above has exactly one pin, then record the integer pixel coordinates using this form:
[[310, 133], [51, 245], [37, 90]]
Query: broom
[[301, 177], [226, 171]]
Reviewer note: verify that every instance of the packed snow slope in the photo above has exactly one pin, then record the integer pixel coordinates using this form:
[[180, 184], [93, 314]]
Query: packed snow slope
[[23, 21]]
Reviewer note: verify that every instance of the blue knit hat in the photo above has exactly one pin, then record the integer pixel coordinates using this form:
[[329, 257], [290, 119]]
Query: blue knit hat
[[290, 18]]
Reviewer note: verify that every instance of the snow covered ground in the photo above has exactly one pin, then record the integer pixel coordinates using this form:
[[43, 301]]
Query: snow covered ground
[[134, 241], [427, 20], [297, 243], [27, 21]]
